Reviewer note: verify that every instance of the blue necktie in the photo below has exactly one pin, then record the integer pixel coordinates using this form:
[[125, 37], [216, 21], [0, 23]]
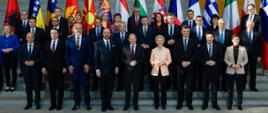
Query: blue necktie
[[199, 34], [185, 44], [221, 37], [30, 50]]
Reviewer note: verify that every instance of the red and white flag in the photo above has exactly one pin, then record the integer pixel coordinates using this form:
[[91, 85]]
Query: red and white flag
[[122, 8], [160, 7]]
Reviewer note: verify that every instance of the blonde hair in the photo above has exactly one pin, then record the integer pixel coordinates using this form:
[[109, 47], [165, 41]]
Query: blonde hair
[[159, 36]]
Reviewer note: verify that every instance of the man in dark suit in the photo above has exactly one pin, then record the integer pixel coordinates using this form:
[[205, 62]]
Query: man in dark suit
[[78, 59], [23, 25], [30, 60], [39, 34], [251, 40], [185, 55], [190, 21], [252, 16], [172, 37], [106, 65], [55, 23], [53, 66], [133, 57], [63, 21], [211, 57], [134, 21], [223, 37], [146, 39], [121, 39]]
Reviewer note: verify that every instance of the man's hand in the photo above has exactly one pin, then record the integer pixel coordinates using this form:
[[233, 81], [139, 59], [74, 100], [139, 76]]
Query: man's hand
[[171, 42], [71, 69], [116, 70], [133, 63], [145, 46], [44, 71], [86, 68], [98, 73], [185, 64], [64, 71], [259, 59]]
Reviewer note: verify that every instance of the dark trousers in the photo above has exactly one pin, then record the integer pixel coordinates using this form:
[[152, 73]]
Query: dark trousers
[[251, 66], [95, 80], [184, 78], [223, 77], [56, 85], [1, 77], [172, 81], [197, 84], [146, 70], [32, 80], [210, 78], [239, 80], [120, 76], [10, 64], [106, 88], [132, 79], [80, 77], [163, 82]]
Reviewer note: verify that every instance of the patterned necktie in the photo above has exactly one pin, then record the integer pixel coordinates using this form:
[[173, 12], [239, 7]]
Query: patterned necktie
[[78, 42]]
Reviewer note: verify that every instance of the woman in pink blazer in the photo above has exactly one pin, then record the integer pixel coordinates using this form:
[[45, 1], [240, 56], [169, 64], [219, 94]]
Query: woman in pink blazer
[[160, 59]]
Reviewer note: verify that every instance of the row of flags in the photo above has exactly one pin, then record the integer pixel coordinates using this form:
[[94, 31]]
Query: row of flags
[[231, 13]]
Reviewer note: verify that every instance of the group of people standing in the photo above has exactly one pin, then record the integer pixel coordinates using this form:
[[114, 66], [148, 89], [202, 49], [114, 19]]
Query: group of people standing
[[185, 58]]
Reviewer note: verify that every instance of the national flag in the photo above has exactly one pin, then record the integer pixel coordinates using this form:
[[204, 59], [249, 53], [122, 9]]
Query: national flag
[[12, 14], [194, 5], [51, 5], [160, 7], [142, 5], [104, 8], [89, 16], [36, 12], [231, 16], [245, 8], [211, 8], [122, 8], [175, 8], [264, 16], [71, 8]]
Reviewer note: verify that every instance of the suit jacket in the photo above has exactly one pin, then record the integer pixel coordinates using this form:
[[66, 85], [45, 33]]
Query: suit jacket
[[54, 60], [204, 30], [105, 60], [175, 36], [127, 58], [190, 54], [154, 62], [93, 35], [163, 29], [131, 25], [186, 22], [149, 38], [81, 57], [254, 48], [227, 38], [40, 36], [35, 56], [117, 39], [63, 23], [217, 55], [21, 32], [242, 60], [63, 32], [257, 21]]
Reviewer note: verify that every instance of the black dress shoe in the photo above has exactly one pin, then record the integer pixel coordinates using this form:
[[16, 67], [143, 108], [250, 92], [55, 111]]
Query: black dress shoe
[[110, 108], [229, 107], [136, 108], [103, 109], [190, 107], [216, 107], [164, 107], [204, 107], [126, 108], [88, 108], [76, 107], [52, 108], [37, 107], [28, 106], [254, 89], [156, 107], [59, 108], [240, 108], [178, 107]]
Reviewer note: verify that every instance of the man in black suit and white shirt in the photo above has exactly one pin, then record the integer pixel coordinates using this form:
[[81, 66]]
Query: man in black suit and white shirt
[[251, 16], [23, 25], [63, 21], [134, 21]]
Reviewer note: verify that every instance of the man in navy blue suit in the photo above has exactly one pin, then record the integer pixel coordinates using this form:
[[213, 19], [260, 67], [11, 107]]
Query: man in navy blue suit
[[78, 60], [106, 65]]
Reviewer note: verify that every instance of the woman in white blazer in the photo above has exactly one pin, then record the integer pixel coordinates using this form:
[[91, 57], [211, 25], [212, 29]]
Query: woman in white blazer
[[236, 58], [160, 59]]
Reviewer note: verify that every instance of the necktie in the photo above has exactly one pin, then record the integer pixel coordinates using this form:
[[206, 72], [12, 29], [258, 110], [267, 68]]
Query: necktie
[[30, 50], [32, 30], [210, 50], [185, 44], [122, 37], [137, 20], [144, 31], [98, 32], [199, 34], [53, 46], [78, 42], [24, 24], [190, 24], [171, 31], [221, 37], [250, 36], [107, 45], [132, 51]]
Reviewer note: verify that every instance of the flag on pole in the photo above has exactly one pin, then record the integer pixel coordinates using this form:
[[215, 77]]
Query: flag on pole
[[51, 5], [211, 8], [104, 8], [231, 16], [89, 16], [160, 7], [264, 16], [194, 5], [245, 8], [175, 8], [142, 5], [71, 8], [122, 8], [36, 12], [12, 14]]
